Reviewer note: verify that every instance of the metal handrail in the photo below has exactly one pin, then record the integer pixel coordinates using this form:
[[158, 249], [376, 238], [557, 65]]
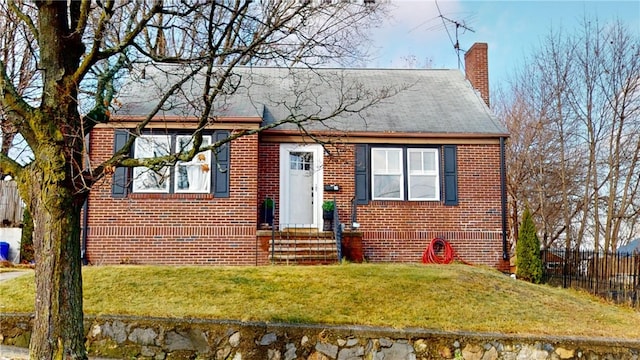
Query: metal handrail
[[271, 223], [337, 230]]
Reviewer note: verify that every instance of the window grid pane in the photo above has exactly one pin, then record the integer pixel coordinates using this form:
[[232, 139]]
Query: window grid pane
[[193, 176], [301, 161], [429, 161], [145, 179], [387, 174], [424, 182], [415, 162], [394, 161], [423, 187]]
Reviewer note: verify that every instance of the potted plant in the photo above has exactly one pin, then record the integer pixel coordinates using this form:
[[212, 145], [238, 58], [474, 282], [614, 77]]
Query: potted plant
[[267, 211], [327, 210], [327, 214]]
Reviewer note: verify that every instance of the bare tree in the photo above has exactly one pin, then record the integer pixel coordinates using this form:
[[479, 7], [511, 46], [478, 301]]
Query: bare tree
[[62, 66], [573, 112], [533, 174], [614, 60], [21, 68]]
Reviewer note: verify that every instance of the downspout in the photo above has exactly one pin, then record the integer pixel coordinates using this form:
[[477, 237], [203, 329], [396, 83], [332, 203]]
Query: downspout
[[503, 191], [85, 228], [85, 208]]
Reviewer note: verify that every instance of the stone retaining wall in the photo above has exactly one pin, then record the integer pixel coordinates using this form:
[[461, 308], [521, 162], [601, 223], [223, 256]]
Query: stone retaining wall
[[157, 338]]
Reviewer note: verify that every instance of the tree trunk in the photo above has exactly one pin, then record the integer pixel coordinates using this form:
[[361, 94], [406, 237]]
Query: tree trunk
[[58, 331], [55, 188]]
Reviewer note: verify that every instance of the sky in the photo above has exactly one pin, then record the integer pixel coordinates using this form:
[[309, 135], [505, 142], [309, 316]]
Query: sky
[[513, 29]]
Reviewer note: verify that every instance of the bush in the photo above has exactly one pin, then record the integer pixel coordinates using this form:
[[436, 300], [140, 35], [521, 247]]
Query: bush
[[26, 242], [528, 261]]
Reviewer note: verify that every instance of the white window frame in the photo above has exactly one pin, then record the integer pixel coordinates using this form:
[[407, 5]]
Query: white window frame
[[142, 175], [201, 164], [169, 181], [385, 171], [435, 173]]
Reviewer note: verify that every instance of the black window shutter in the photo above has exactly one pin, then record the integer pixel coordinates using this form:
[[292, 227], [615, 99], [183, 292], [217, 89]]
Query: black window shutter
[[450, 175], [221, 173], [362, 174], [120, 184]]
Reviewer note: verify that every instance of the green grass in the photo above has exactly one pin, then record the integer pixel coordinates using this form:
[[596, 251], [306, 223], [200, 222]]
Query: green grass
[[448, 297]]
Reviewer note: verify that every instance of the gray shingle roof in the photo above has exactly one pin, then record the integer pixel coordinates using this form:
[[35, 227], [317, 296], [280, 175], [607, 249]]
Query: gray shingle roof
[[419, 101]]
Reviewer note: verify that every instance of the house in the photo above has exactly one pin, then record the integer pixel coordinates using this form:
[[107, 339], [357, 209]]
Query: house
[[425, 162], [632, 247]]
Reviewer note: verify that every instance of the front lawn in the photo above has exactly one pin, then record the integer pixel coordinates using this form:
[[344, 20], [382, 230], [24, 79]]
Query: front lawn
[[441, 297]]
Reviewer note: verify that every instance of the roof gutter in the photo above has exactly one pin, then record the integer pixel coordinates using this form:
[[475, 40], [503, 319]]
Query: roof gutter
[[85, 212], [503, 191], [387, 134], [370, 137]]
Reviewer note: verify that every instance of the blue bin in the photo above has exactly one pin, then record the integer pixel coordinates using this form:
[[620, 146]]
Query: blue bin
[[4, 251]]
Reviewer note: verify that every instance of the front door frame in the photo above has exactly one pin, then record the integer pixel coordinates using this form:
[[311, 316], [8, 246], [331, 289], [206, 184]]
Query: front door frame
[[285, 196]]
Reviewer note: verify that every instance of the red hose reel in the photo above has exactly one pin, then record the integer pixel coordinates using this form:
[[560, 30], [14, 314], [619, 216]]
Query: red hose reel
[[439, 246]]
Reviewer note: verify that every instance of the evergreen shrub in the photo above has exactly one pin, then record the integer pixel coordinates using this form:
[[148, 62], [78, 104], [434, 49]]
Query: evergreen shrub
[[528, 260], [26, 241]]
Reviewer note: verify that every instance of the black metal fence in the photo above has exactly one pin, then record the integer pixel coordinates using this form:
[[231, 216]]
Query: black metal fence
[[615, 276]]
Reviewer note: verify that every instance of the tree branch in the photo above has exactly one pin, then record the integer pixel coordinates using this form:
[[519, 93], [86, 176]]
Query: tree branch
[[9, 166], [26, 19], [95, 54], [9, 97], [82, 17]]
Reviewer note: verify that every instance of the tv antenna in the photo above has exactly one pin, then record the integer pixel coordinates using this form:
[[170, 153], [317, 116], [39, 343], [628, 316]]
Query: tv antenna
[[459, 25]]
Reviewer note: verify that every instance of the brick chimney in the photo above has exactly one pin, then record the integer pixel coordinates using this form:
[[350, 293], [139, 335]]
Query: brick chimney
[[476, 69]]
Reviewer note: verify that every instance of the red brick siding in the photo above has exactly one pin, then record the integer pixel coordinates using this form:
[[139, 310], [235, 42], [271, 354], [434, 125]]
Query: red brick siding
[[176, 228], [269, 172], [339, 169], [399, 231], [202, 229]]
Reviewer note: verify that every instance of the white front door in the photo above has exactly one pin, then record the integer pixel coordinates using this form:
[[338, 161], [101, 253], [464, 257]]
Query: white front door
[[301, 187], [300, 178]]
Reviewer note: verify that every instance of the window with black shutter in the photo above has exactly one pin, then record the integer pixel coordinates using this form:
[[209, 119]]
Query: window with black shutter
[[207, 172]]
